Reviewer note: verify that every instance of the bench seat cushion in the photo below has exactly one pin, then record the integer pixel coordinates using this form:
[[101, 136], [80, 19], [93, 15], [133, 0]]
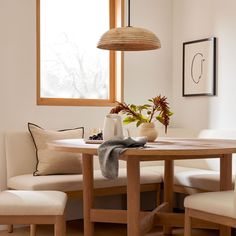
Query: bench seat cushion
[[208, 180], [32, 203], [219, 203], [74, 182], [184, 176]]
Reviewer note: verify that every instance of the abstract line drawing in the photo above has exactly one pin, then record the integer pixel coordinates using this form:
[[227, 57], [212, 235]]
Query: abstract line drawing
[[194, 61], [199, 67]]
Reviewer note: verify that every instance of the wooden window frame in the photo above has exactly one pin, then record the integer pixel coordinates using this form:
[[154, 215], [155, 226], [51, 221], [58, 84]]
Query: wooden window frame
[[116, 66]]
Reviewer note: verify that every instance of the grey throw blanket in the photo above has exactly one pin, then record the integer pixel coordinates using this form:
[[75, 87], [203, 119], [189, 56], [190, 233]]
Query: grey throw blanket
[[110, 150]]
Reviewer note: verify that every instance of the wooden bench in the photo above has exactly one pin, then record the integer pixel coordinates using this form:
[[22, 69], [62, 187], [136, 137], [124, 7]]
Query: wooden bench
[[34, 207], [191, 176], [21, 163]]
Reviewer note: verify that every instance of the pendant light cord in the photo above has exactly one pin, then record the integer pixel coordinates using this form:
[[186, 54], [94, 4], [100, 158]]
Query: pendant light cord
[[129, 13]]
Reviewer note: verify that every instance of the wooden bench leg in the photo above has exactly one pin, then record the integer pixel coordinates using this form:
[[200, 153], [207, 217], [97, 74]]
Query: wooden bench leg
[[32, 230], [124, 201], [10, 228], [225, 231], [158, 195], [187, 223], [60, 226]]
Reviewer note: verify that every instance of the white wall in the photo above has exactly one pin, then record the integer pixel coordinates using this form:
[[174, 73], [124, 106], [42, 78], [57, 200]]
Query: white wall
[[196, 19], [146, 74]]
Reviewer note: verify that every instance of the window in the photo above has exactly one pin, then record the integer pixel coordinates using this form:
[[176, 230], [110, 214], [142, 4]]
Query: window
[[70, 68]]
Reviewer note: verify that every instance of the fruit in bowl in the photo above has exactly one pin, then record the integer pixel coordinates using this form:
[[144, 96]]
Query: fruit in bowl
[[97, 136]]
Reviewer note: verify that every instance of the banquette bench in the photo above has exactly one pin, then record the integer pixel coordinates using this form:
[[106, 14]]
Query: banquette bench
[[21, 163], [190, 175], [199, 175]]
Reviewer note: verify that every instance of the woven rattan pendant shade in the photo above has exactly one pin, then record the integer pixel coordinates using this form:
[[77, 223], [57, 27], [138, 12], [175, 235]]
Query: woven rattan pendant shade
[[129, 39]]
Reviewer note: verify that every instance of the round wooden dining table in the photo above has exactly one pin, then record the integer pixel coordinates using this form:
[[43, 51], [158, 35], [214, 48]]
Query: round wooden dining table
[[165, 149]]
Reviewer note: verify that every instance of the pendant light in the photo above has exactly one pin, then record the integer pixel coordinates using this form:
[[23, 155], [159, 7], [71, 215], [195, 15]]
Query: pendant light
[[129, 38]]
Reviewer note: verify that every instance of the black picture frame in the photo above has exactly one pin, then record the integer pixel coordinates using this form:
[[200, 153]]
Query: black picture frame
[[199, 67]]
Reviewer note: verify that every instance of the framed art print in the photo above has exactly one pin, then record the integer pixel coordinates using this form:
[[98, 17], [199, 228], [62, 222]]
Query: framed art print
[[199, 67]]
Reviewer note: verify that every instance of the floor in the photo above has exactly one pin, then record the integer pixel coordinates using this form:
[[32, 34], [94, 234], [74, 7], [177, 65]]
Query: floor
[[75, 228]]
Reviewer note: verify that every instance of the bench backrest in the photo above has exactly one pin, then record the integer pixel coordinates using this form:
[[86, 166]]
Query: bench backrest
[[20, 154], [212, 164]]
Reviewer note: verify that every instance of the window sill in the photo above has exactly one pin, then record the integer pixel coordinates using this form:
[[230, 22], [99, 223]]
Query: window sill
[[74, 102]]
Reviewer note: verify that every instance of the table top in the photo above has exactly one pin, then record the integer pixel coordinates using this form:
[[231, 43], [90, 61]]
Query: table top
[[181, 148]]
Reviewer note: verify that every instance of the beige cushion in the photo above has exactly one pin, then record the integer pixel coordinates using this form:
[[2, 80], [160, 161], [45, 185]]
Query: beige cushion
[[193, 177], [20, 149], [189, 177], [74, 182], [52, 162], [219, 203], [198, 178], [32, 202]]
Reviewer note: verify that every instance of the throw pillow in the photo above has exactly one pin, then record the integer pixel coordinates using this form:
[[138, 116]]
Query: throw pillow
[[51, 162]]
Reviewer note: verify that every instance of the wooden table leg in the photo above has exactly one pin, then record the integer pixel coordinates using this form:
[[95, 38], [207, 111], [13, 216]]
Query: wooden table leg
[[133, 197], [226, 172], [87, 161], [168, 189], [225, 184]]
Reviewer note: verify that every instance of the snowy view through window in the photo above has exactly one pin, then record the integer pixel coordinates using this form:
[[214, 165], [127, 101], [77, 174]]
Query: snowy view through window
[[70, 64]]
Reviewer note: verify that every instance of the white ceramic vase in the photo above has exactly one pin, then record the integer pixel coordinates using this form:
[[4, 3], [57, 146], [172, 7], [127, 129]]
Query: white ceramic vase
[[148, 130]]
